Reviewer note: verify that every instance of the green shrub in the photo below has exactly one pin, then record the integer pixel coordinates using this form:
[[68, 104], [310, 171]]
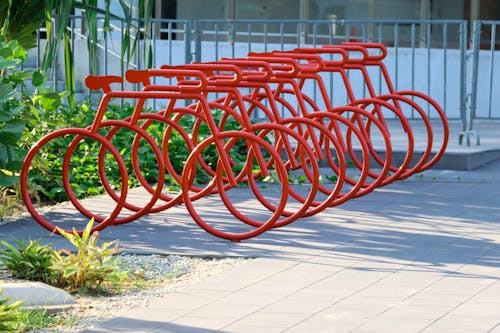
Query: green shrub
[[35, 319], [89, 266], [86, 268], [20, 109], [12, 124], [46, 178], [9, 314], [28, 261]]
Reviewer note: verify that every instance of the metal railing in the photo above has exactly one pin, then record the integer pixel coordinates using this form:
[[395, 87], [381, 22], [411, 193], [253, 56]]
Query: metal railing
[[484, 102], [432, 56], [427, 55]]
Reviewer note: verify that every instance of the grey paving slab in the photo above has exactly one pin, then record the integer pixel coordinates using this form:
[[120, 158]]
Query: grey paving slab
[[420, 255], [385, 267]]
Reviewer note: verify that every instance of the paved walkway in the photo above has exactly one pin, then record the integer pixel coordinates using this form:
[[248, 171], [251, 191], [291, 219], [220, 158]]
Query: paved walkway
[[420, 255]]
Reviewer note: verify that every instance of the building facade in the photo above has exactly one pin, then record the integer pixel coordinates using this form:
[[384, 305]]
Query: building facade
[[329, 9]]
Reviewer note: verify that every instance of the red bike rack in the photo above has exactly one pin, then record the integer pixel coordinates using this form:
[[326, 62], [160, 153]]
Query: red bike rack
[[295, 135]]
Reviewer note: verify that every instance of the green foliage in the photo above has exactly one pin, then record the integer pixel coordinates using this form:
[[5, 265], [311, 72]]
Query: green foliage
[[89, 266], [46, 179], [20, 19], [86, 268], [10, 201], [19, 112], [210, 155], [9, 314], [28, 261], [12, 110], [29, 320]]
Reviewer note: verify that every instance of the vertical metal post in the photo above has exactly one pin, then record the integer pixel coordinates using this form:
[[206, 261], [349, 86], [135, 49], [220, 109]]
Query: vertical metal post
[[282, 36], [474, 14], [265, 36], [157, 11], [197, 41], [445, 64], [476, 41], [231, 9], [463, 80], [428, 42], [412, 43], [465, 117], [396, 50], [249, 36], [424, 15], [170, 36], [372, 16], [492, 65], [304, 15], [299, 39], [233, 38], [216, 28]]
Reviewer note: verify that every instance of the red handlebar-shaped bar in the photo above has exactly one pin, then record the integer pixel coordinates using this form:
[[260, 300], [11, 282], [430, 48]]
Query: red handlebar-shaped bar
[[281, 66], [252, 70], [382, 50], [325, 50], [183, 84], [218, 73], [352, 48], [102, 82], [314, 62]]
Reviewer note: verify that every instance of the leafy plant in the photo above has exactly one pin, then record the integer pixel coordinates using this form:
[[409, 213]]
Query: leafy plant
[[45, 177], [28, 261], [12, 124], [19, 20], [15, 318], [19, 111], [32, 319], [210, 155], [9, 314], [89, 266], [86, 268], [10, 201]]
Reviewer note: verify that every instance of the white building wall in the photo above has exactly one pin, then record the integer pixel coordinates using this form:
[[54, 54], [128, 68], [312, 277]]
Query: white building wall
[[430, 75], [433, 72]]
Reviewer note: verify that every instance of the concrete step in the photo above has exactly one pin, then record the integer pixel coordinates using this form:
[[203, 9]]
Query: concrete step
[[457, 156]]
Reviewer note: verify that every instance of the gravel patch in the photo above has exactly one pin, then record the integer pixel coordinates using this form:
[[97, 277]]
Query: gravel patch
[[159, 275]]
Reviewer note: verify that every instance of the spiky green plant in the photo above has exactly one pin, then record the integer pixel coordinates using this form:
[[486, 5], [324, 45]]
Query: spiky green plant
[[87, 267], [28, 260], [9, 314]]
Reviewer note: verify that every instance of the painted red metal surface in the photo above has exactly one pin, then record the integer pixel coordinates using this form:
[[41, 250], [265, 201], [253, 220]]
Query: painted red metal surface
[[294, 134]]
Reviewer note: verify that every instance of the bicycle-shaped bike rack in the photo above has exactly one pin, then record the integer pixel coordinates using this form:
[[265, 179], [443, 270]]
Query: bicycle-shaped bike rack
[[293, 135]]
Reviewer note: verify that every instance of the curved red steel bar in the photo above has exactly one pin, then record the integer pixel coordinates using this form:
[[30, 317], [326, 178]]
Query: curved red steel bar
[[269, 84]]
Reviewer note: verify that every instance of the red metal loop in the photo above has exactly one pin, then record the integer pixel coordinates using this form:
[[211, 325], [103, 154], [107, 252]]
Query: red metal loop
[[326, 50], [307, 135], [378, 47], [356, 54], [252, 70]]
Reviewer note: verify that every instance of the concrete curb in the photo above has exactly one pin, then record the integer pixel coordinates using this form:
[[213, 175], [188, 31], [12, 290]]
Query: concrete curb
[[37, 294]]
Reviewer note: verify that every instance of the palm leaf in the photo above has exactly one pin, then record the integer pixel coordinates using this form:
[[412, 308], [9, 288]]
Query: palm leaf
[[69, 71], [64, 12]]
